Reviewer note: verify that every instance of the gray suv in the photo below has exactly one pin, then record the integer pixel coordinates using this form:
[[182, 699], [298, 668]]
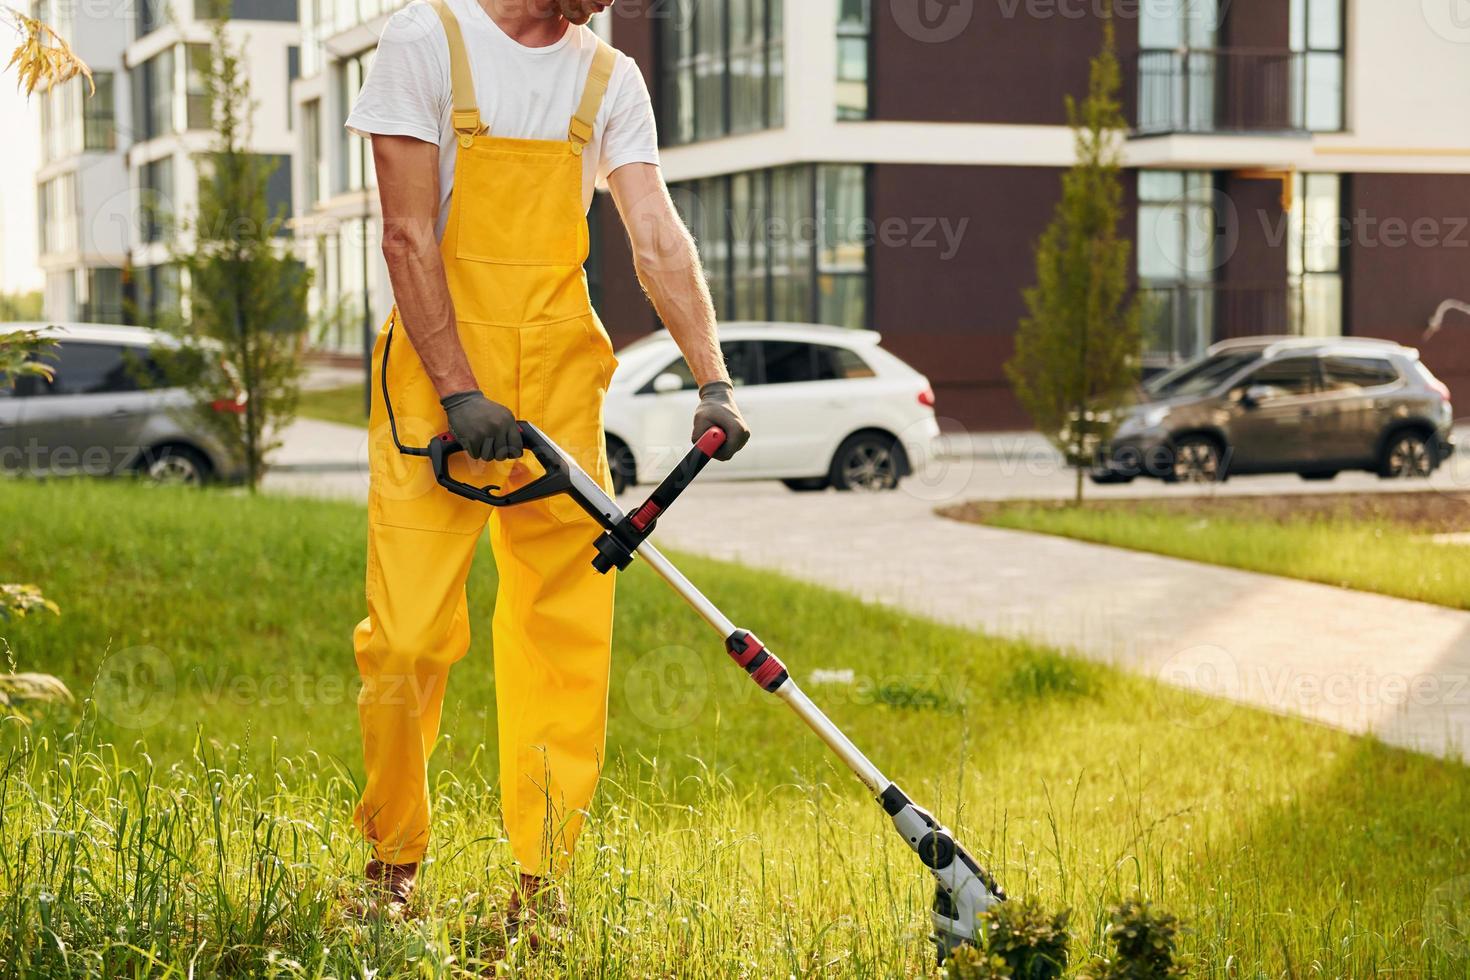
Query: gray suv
[[100, 415], [1285, 405]]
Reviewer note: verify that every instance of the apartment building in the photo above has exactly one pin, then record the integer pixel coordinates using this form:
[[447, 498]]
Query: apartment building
[[172, 128], [1294, 166], [82, 198], [120, 168]]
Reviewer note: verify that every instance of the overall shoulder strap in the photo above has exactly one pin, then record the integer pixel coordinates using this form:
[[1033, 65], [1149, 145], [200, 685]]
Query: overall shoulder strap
[[466, 114], [603, 62]]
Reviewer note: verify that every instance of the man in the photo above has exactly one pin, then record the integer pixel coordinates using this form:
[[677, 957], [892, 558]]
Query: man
[[491, 121]]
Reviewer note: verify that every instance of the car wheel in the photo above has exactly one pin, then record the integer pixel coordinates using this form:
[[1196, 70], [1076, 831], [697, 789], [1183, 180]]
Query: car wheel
[[175, 466], [1407, 455], [806, 484], [620, 462], [1196, 459], [867, 461], [1319, 475]]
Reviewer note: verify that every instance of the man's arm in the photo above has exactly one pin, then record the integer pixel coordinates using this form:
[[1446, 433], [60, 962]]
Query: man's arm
[[667, 264], [408, 186]]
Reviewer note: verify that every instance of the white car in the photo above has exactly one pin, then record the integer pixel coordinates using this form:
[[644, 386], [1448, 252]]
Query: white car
[[826, 406]]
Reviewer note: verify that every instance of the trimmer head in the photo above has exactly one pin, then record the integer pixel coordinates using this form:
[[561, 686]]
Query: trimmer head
[[962, 888]]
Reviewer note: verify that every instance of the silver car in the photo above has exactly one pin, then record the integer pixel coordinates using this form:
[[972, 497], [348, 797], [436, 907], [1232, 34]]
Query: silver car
[[98, 415], [1285, 405]]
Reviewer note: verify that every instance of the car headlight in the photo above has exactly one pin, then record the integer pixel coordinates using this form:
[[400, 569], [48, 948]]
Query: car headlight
[[1142, 419]]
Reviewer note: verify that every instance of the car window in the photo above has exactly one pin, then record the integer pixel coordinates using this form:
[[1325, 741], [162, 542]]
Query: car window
[[92, 369], [1352, 373], [739, 361], [788, 362], [839, 363], [1289, 376], [1200, 377]]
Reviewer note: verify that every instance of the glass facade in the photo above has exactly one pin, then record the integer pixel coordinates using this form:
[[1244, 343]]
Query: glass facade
[[787, 244], [1317, 38], [355, 170], [721, 69], [1176, 261], [854, 44], [1314, 255], [155, 199], [56, 214]]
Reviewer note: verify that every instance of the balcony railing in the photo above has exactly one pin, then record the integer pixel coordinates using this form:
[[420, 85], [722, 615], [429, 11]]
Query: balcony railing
[[1237, 90], [1180, 320]]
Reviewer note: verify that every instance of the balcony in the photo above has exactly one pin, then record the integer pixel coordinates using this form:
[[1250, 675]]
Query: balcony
[[1253, 91]]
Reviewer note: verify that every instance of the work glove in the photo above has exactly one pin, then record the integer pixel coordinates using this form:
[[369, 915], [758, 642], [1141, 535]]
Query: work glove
[[717, 408], [487, 430]]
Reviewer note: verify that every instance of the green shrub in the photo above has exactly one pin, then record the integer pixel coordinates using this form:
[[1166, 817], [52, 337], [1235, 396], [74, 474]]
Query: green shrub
[[1145, 943], [1022, 942]]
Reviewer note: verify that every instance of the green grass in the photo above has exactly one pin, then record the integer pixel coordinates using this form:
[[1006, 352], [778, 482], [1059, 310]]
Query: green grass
[[192, 816], [345, 405], [1373, 555]]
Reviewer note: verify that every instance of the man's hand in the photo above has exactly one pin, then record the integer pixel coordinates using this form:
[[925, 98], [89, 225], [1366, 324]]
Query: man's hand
[[487, 430], [717, 408]]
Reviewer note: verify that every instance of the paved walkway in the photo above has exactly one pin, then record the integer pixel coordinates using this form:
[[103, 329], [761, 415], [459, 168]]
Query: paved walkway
[[1358, 661]]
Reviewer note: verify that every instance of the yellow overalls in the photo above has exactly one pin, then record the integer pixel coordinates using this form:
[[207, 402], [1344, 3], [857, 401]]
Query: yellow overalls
[[513, 251]]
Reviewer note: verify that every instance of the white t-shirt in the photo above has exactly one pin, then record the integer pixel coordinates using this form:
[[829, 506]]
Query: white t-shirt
[[523, 93]]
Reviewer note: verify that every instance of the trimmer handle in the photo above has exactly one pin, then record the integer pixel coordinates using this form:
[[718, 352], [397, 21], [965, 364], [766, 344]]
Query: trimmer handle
[[689, 467], [557, 478], [615, 548]]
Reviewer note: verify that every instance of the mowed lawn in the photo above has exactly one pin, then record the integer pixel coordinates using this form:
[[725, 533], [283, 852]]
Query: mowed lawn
[[192, 818], [347, 405], [1371, 542]]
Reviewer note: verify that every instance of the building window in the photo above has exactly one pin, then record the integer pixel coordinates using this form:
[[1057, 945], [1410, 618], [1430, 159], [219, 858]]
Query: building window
[[1176, 262], [61, 120], [56, 207], [151, 15], [356, 170], [788, 244], [156, 198], [721, 66], [1317, 41], [153, 96], [102, 295], [316, 18], [198, 112], [311, 139], [1314, 255], [99, 114], [854, 42], [158, 292]]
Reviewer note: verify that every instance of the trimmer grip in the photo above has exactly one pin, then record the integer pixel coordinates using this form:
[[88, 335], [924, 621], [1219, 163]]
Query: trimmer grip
[[555, 480], [689, 467]]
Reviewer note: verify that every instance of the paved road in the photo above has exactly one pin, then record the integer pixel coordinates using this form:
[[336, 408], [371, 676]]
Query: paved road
[[1354, 660]]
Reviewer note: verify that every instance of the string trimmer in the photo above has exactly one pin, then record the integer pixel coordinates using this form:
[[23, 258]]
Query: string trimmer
[[962, 888]]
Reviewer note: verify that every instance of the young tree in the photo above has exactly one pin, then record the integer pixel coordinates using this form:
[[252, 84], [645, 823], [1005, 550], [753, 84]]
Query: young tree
[[1077, 349], [243, 293]]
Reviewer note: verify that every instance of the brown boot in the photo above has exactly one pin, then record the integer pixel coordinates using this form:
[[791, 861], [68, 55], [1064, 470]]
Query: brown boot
[[391, 883], [536, 912]]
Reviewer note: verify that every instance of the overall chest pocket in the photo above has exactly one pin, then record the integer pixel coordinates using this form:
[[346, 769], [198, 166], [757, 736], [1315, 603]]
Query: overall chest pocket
[[520, 203]]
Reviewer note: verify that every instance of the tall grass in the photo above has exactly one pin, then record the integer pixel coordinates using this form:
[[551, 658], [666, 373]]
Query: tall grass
[[216, 838]]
